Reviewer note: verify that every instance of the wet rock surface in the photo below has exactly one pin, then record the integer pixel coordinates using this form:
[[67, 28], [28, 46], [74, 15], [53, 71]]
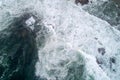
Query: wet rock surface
[[18, 51]]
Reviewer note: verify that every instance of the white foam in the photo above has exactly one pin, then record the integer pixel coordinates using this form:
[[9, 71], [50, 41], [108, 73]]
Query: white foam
[[74, 30]]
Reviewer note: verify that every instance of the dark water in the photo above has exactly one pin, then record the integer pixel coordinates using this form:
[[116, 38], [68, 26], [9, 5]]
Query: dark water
[[18, 51], [106, 10]]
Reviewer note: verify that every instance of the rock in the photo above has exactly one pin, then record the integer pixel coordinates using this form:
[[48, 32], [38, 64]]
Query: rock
[[101, 51], [113, 60], [112, 63], [82, 2]]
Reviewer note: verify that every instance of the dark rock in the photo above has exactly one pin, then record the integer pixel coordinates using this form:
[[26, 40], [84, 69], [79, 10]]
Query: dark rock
[[112, 62], [96, 38], [82, 2], [101, 51]]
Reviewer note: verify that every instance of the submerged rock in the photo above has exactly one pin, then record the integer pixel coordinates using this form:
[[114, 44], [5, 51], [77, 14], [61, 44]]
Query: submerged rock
[[19, 51], [101, 51], [82, 2], [112, 62]]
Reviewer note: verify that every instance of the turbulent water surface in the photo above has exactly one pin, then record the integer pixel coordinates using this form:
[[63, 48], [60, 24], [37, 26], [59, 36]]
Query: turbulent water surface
[[59, 40]]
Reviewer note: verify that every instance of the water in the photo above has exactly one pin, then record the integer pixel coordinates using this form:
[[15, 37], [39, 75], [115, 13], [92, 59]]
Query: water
[[74, 38]]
